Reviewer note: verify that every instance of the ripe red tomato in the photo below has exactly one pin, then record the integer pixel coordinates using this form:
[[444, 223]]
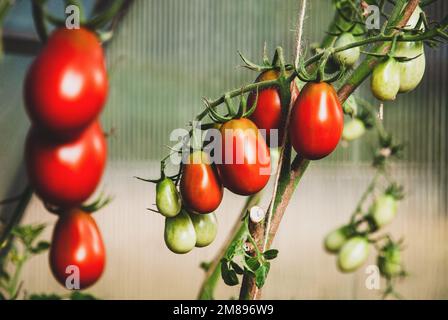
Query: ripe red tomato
[[66, 86], [246, 163], [316, 121], [77, 242], [65, 173], [200, 186], [268, 113]]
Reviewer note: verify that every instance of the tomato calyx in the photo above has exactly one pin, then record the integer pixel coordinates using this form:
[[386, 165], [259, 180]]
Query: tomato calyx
[[96, 23], [92, 207], [232, 112], [163, 175], [389, 259], [319, 74]]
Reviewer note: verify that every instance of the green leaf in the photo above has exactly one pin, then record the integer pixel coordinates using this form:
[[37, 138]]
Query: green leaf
[[229, 276], [77, 295], [234, 249], [270, 254], [28, 233], [40, 247], [253, 264], [236, 267], [45, 296], [261, 274]]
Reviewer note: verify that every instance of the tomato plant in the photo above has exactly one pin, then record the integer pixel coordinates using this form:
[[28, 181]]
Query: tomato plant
[[65, 173], [316, 126], [246, 165], [77, 242], [66, 86], [316, 121], [200, 185]]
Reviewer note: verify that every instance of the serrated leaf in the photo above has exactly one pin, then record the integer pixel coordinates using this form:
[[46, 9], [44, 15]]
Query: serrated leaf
[[271, 254], [261, 274], [45, 296], [77, 295], [229, 276], [28, 233], [236, 267]]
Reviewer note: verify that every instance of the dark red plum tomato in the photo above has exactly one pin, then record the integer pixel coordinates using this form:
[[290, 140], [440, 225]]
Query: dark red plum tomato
[[317, 121], [66, 86], [268, 113], [246, 163], [77, 243], [65, 173], [200, 185]]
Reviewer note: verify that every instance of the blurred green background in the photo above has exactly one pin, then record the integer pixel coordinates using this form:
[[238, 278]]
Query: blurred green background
[[165, 56]]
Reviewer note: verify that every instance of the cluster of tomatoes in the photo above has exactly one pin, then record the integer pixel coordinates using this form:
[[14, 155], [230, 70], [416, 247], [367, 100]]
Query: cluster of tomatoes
[[245, 168], [402, 70], [399, 71], [351, 242], [65, 90], [317, 119]]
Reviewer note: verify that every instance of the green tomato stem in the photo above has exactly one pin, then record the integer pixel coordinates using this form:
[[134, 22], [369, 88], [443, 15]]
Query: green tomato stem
[[39, 19]]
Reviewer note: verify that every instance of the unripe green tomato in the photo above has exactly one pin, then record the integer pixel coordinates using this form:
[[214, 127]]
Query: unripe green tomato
[[335, 240], [385, 81], [353, 130], [411, 72], [206, 228], [180, 236], [390, 263], [347, 57], [353, 254], [167, 198], [384, 210]]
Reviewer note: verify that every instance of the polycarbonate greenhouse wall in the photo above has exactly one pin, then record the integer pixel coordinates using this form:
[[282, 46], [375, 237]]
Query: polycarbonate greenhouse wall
[[164, 57]]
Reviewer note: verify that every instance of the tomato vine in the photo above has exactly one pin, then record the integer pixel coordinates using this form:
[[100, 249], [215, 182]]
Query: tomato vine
[[251, 241]]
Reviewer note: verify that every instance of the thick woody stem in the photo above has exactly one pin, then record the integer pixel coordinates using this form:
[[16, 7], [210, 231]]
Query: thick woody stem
[[260, 231]]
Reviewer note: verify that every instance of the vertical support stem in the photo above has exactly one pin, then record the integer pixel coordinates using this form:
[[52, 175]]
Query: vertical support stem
[[261, 231], [214, 272]]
